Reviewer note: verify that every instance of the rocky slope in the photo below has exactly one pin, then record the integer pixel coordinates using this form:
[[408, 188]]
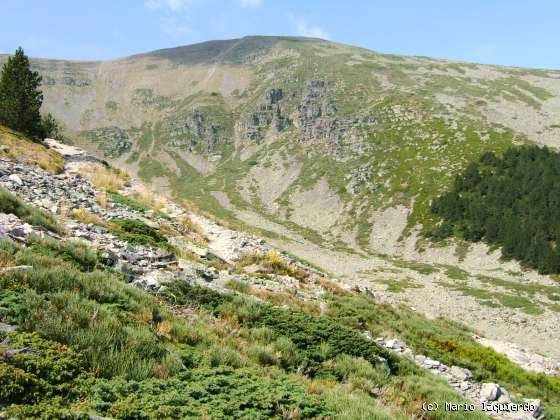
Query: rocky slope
[[71, 196], [333, 152]]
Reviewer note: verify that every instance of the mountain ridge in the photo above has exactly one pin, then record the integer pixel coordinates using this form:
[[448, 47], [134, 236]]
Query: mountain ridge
[[279, 38]]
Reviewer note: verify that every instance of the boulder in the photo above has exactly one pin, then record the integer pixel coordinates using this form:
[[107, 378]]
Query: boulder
[[504, 398], [465, 385], [154, 280], [21, 231], [420, 358], [460, 373], [108, 258], [25, 350], [537, 407], [489, 392], [207, 273], [393, 344], [7, 328], [15, 179], [431, 363]]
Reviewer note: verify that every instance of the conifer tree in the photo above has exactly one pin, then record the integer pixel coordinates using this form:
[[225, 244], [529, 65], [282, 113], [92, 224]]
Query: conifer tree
[[20, 97]]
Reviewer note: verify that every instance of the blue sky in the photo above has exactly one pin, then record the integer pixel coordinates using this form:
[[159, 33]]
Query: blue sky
[[515, 32]]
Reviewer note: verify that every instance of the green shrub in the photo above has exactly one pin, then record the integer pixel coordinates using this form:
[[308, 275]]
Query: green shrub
[[262, 355], [52, 370], [220, 392], [349, 368], [224, 356], [263, 335], [136, 232], [273, 263], [238, 285], [93, 311], [309, 333], [289, 357], [79, 254], [127, 202], [352, 406]]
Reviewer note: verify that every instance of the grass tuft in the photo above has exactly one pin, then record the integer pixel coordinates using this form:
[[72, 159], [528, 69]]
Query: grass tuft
[[11, 204]]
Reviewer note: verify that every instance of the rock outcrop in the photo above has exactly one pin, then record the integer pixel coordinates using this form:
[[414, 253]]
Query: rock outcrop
[[195, 131], [489, 397], [271, 113], [112, 141]]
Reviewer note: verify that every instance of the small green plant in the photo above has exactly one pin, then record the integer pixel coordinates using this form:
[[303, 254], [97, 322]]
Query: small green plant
[[136, 232], [272, 262], [127, 202], [11, 204], [399, 286]]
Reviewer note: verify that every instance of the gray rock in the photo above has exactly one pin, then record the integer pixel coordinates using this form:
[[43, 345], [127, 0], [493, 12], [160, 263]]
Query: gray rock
[[465, 385], [408, 353], [460, 373], [537, 407], [489, 392], [25, 350], [16, 268], [504, 398], [431, 363], [523, 416], [154, 280], [420, 358], [208, 274], [109, 258], [393, 344], [15, 179], [7, 327]]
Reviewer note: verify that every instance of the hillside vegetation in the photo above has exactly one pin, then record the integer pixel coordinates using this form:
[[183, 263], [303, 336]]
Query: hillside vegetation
[[79, 339], [102, 346], [513, 201], [331, 125], [333, 152], [16, 146]]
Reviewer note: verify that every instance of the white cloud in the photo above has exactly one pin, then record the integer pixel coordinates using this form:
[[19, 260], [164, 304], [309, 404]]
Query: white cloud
[[173, 5], [175, 28], [304, 29], [251, 3], [174, 17]]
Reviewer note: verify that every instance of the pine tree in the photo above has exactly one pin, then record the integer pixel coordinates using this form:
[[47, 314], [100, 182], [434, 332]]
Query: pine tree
[[20, 97], [50, 127]]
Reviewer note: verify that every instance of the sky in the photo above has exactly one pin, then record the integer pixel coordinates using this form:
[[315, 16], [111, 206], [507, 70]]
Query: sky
[[515, 32]]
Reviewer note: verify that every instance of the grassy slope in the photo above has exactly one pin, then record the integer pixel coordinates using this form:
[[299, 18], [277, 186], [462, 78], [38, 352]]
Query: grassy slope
[[109, 348], [20, 148], [129, 355]]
